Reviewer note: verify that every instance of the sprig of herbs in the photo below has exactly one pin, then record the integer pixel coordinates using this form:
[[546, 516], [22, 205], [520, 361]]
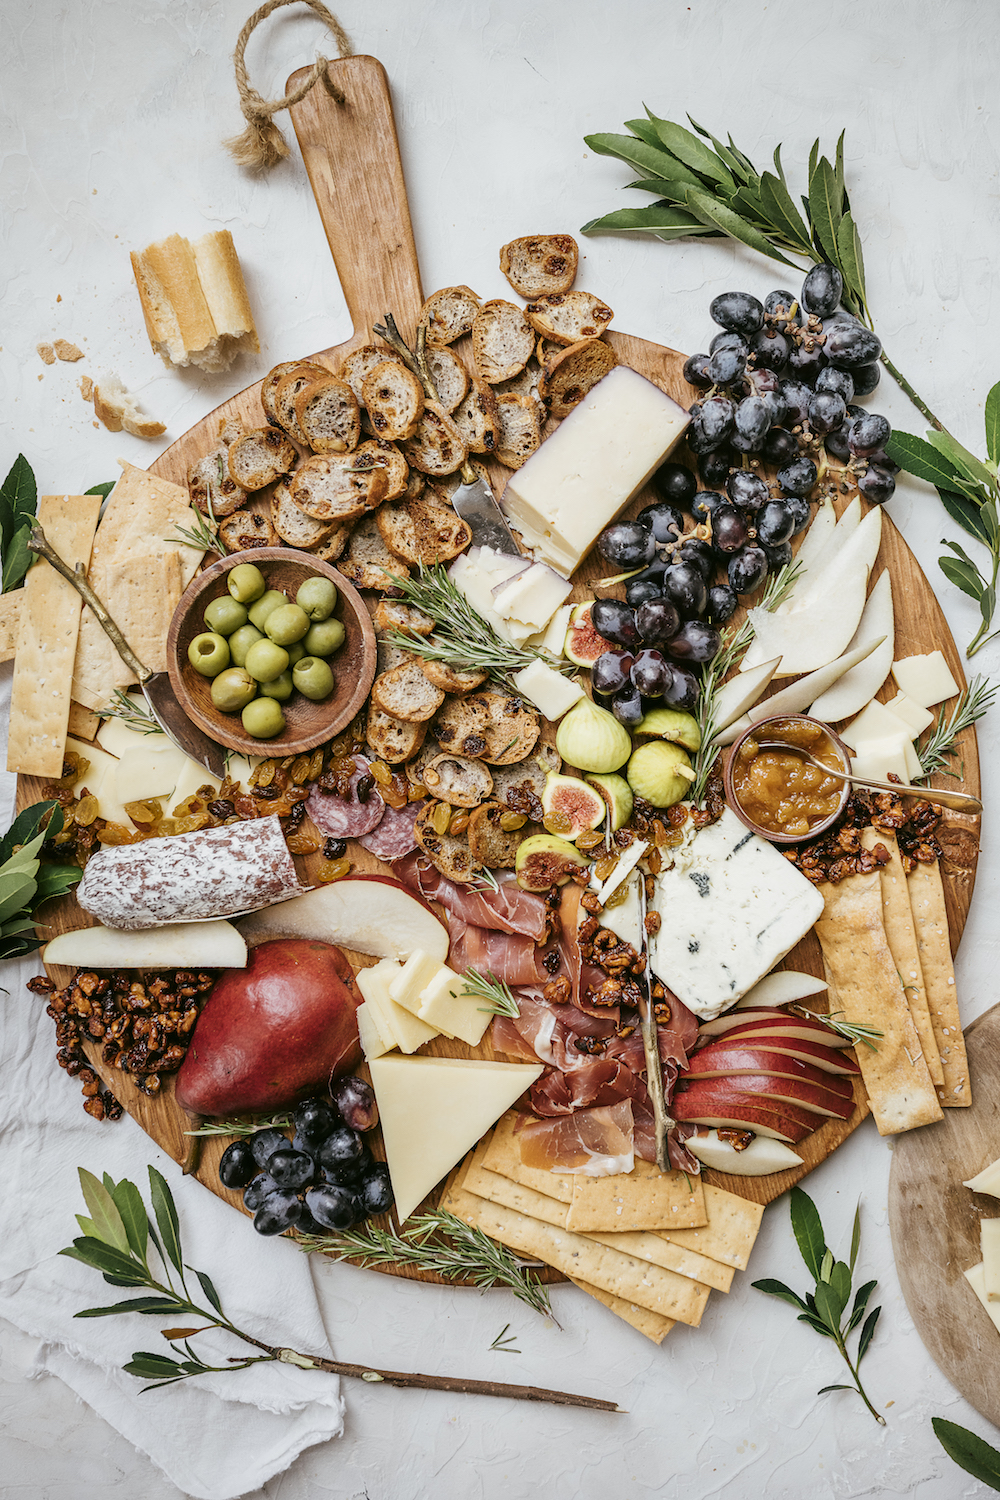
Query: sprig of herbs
[[504, 1342], [25, 883], [131, 712], [438, 1242], [825, 1307], [854, 1031], [203, 535], [461, 636], [243, 1126], [973, 703], [485, 879], [488, 987], [971, 1453]]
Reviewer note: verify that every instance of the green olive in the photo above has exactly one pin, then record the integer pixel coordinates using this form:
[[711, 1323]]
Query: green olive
[[225, 615], [265, 661], [296, 651], [246, 583], [233, 690], [263, 718], [240, 642], [209, 654], [313, 678], [266, 605], [324, 638], [281, 687], [318, 597], [287, 624]]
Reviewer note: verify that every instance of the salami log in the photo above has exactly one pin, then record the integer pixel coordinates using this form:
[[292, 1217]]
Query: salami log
[[214, 872]]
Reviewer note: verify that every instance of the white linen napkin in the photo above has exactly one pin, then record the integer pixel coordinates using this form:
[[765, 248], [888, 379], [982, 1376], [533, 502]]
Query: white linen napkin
[[215, 1436]]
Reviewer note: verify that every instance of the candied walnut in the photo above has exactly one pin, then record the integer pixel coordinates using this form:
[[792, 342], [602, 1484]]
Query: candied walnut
[[550, 963], [95, 1107], [557, 991], [592, 1046]]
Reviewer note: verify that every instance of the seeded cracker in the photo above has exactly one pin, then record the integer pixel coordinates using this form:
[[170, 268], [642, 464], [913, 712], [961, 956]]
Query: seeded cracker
[[10, 623], [930, 921]]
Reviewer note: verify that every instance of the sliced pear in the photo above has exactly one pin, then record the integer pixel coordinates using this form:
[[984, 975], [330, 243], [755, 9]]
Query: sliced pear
[[811, 557], [741, 693], [781, 988], [756, 1160], [796, 698], [857, 687]]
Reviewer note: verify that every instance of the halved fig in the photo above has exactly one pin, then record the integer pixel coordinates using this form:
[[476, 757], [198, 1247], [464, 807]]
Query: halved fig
[[544, 861], [583, 645], [571, 807], [617, 794]]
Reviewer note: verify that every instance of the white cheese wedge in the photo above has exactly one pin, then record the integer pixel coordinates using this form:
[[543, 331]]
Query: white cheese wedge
[[914, 769], [100, 779], [986, 1181], [877, 758], [782, 988], [756, 1160], [533, 597], [148, 771], [731, 910], [432, 1110], [477, 573], [443, 1005], [622, 870], [858, 686], [989, 1239], [553, 639], [407, 1030], [240, 767], [874, 723], [925, 679], [591, 466], [373, 1043], [911, 713], [976, 1278], [180, 945], [550, 692], [190, 779], [625, 919], [116, 737], [408, 985]]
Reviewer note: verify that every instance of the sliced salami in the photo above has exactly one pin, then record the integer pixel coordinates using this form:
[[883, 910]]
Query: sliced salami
[[348, 817], [393, 838], [214, 872]]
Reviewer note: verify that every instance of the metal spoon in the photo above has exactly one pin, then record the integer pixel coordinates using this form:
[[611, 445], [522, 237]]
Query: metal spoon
[[957, 801]]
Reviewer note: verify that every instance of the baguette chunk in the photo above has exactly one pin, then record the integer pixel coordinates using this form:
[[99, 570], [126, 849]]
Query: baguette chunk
[[194, 301]]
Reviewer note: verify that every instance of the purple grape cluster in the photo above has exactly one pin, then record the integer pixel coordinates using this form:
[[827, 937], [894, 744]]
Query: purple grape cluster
[[325, 1178]]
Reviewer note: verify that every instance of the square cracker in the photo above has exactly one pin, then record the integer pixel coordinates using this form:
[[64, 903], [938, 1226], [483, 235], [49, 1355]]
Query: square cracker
[[644, 1198], [930, 920], [503, 1155]]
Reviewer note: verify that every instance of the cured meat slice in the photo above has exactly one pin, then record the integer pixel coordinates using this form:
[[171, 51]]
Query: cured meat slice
[[593, 1142], [392, 838], [508, 956], [508, 910], [213, 872], [347, 817]]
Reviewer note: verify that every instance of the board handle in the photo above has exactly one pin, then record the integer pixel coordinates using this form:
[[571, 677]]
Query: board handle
[[351, 154]]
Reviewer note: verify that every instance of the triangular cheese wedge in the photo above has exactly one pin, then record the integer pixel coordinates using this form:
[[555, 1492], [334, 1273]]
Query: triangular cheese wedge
[[433, 1110]]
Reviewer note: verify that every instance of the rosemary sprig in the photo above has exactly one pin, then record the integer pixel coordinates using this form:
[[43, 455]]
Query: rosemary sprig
[[972, 704], [824, 1308], [243, 1126], [461, 636], [488, 987], [131, 712], [854, 1031], [485, 880], [441, 1243], [202, 534], [504, 1342]]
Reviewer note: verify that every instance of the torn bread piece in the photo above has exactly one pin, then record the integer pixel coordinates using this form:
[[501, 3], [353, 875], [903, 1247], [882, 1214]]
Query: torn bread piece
[[66, 351], [194, 300], [117, 408]]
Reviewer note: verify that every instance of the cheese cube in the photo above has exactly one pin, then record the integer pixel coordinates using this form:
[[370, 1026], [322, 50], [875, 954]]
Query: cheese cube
[[911, 713], [877, 758], [875, 722], [591, 466], [550, 692], [731, 909], [373, 1043], [533, 597], [925, 679], [552, 639], [391, 1019], [464, 1016], [408, 985], [476, 573], [989, 1237]]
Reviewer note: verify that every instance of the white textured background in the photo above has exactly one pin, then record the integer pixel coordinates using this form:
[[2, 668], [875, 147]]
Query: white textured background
[[111, 113]]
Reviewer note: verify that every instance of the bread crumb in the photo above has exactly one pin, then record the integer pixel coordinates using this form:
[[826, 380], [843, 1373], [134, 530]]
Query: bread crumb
[[95, 424], [117, 408], [66, 351], [41, 377], [46, 353], [86, 388], [59, 297]]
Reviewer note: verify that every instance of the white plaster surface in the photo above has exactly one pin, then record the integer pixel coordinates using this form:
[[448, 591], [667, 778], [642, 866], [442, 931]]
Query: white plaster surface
[[111, 114]]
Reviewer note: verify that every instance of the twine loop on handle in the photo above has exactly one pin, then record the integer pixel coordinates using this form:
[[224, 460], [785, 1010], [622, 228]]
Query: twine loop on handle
[[262, 144]]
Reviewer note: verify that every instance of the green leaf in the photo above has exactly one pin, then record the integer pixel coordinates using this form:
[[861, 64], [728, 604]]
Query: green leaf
[[919, 458], [26, 825], [860, 1303], [104, 1212], [87, 1225], [151, 1366], [867, 1333], [208, 1288], [664, 222], [20, 491], [988, 516], [103, 1258], [825, 1388], [850, 256], [16, 559], [102, 489], [993, 424], [687, 148], [970, 1452], [56, 880], [838, 170], [988, 604], [778, 1289], [14, 928], [963, 575], [840, 1282], [826, 1266], [735, 162], [134, 1305], [816, 1323], [17, 947], [808, 1230], [813, 158], [16, 892], [829, 1305], [133, 1214], [649, 159], [825, 207], [715, 214], [856, 1236], [962, 460], [646, 131], [966, 513], [781, 210], [166, 1218]]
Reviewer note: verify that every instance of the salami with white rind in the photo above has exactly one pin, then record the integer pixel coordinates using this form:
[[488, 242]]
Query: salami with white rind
[[393, 838], [213, 872], [347, 817]]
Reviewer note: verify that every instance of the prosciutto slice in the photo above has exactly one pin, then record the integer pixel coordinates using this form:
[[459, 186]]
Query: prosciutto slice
[[508, 910], [593, 1142]]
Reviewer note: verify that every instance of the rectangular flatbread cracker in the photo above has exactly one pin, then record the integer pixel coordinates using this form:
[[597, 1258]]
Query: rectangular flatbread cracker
[[49, 630], [10, 623], [865, 985], [930, 921], [644, 1198], [897, 919], [503, 1155], [82, 722], [653, 1325], [146, 587]]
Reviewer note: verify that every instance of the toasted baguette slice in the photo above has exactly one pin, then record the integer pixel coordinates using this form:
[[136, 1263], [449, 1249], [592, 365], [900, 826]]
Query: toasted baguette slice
[[525, 385], [423, 531], [415, 484], [328, 487], [272, 379], [211, 486], [520, 430], [289, 388], [448, 314], [568, 317], [478, 420], [229, 430], [332, 549], [394, 400], [573, 372], [360, 364], [393, 740], [450, 679], [390, 614], [247, 529], [490, 844], [502, 340], [405, 693], [258, 457], [436, 446], [456, 780], [388, 655], [450, 377], [446, 853], [194, 300], [540, 264], [379, 453], [460, 726], [511, 729], [367, 562], [292, 524], [118, 408], [328, 415]]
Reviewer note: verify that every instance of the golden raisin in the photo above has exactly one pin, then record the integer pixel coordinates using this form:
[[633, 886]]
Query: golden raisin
[[557, 822], [417, 792], [299, 769], [511, 821], [381, 772], [441, 817], [458, 824], [590, 840], [315, 765], [302, 843], [116, 833], [144, 813], [86, 810], [189, 824], [606, 867], [332, 869]]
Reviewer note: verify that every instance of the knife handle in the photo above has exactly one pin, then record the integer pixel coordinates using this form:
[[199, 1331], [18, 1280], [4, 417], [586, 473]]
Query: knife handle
[[39, 543]]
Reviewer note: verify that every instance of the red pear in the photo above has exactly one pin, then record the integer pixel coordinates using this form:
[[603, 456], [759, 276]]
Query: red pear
[[274, 1032]]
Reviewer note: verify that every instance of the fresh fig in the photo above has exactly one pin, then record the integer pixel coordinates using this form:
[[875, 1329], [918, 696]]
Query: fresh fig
[[656, 772], [591, 739], [571, 807], [583, 645], [617, 795], [671, 724], [543, 861]]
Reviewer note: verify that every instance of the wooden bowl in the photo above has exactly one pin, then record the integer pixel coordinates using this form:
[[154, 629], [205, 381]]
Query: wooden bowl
[[307, 724], [759, 731]]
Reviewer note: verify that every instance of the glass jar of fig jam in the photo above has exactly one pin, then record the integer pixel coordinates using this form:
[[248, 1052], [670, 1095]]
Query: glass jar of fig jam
[[779, 794]]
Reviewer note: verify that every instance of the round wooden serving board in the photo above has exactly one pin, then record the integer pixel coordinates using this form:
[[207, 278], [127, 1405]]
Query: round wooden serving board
[[352, 157]]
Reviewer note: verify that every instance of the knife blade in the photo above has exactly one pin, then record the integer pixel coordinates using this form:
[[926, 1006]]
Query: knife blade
[[156, 687], [475, 502], [662, 1122]]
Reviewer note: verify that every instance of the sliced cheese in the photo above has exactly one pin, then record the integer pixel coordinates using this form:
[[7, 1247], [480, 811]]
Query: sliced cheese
[[622, 869], [116, 737], [877, 759], [875, 722], [591, 466], [240, 767], [533, 597], [477, 573], [911, 713], [190, 779], [553, 639], [976, 1278], [986, 1181], [443, 1005], [149, 771], [926, 679], [407, 1030], [373, 1043], [433, 1110], [624, 918], [408, 985], [550, 691], [989, 1239], [180, 945]]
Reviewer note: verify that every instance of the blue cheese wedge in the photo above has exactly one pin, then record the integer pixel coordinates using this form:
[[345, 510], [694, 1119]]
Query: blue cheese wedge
[[731, 908]]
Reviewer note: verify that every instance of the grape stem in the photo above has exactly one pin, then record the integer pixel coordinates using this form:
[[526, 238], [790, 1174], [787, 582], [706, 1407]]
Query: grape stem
[[905, 386]]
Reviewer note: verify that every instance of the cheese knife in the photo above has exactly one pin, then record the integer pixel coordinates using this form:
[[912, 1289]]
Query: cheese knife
[[662, 1122], [156, 687]]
